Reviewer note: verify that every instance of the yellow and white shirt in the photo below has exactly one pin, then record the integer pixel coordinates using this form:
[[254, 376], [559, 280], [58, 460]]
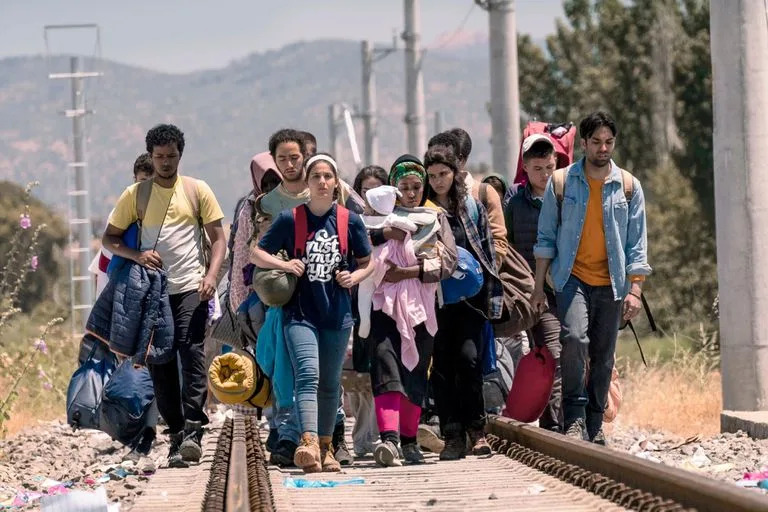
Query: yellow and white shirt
[[179, 244]]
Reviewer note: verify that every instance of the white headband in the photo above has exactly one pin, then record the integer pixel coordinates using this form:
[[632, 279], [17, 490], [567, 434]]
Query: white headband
[[324, 158]]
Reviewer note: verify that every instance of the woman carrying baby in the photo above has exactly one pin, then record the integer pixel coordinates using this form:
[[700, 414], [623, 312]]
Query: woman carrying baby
[[403, 322]]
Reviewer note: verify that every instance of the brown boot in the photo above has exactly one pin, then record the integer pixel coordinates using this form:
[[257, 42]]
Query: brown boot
[[479, 444], [307, 454], [329, 462]]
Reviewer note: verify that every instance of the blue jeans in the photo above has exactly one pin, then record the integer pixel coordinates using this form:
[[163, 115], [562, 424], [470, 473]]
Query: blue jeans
[[317, 356], [284, 420], [589, 318]]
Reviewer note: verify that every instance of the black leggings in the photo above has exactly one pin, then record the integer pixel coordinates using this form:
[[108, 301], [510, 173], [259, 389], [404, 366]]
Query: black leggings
[[457, 377]]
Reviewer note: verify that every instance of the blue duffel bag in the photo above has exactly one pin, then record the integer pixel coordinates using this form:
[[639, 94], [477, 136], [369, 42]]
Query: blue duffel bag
[[128, 403], [87, 383]]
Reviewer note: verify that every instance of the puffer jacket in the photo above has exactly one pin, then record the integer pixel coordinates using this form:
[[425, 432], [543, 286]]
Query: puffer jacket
[[522, 217], [133, 315]]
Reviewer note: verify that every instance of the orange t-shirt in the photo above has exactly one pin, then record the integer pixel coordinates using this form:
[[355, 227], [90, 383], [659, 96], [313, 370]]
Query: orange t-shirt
[[591, 264]]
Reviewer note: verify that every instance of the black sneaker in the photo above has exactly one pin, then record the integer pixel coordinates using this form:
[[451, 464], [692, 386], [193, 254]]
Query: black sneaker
[[282, 455], [412, 454], [599, 438], [175, 460], [342, 453], [272, 439], [577, 430], [191, 449], [143, 448]]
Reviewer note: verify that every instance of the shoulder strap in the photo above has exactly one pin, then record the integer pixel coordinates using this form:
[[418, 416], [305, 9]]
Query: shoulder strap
[[190, 190], [558, 183], [629, 184], [299, 231], [482, 194], [342, 226], [143, 192]]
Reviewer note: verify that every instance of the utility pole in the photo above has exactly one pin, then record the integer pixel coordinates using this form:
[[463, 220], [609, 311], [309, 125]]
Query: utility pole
[[80, 231], [370, 135], [505, 101], [739, 49], [371, 55], [414, 82], [333, 116]]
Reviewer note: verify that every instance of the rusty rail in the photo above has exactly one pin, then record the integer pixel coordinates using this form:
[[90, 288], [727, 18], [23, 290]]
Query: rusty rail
[[239, 481], [626, 480]]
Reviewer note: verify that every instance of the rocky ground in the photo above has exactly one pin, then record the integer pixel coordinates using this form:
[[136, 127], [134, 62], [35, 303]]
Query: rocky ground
[[726, 457], [52, 459]]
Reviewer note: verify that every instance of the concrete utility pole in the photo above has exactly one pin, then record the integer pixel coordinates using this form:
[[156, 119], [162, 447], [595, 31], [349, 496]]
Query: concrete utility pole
[[80, 232], [438, 121], [370, 135], [505, 99], [414, 82], [739, 44], [333, 116], [370, 123]]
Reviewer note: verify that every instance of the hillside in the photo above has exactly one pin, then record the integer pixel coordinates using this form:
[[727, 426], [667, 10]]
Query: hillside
[[227, 114]]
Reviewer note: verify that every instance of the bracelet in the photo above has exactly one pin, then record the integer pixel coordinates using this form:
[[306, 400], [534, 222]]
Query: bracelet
[[421, 271], [635, 295]]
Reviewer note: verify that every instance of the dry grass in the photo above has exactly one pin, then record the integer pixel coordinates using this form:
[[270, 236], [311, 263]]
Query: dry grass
[[681, 395]]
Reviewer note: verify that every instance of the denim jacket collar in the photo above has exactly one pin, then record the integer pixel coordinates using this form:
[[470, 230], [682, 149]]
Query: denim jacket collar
[[578, 169]]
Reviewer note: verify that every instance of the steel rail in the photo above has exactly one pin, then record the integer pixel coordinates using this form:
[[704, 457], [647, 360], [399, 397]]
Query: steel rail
[[633, 474]]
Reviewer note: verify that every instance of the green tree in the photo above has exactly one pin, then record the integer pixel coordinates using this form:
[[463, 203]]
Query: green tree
[[683, 286], [38, 285]]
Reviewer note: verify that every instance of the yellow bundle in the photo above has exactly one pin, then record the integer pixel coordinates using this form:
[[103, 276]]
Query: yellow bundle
[[235, 378]]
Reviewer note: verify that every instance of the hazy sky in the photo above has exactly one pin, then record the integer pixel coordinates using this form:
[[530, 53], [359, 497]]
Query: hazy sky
[[185, 35]]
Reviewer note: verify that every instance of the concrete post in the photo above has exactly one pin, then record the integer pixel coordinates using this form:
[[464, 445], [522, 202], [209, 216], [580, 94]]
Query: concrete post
[[414, 83], [505, 103], [370, 135], [739, 43]]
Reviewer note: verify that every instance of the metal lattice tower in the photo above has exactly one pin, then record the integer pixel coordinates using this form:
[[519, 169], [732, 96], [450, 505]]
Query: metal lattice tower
[[78, 196]]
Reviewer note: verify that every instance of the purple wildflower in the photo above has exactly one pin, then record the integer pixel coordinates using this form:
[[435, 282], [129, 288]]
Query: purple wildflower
[[24, 221], [41, 346], [47, 386], [41, 374], [33, 263]]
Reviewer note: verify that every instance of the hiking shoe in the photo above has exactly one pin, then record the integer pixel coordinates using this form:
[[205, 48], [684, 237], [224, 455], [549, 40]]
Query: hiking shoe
[[175, 460], [387, 455], [282, 455], [411, 454], [342, 453], [272, 440], [191, 449], [455, 443], [577, 430], [479, 444], [599, 438], [327, 460], [307, 454], [428, 437]]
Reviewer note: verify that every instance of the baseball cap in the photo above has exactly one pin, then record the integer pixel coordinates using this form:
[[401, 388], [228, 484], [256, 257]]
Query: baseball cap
[[533, 139]]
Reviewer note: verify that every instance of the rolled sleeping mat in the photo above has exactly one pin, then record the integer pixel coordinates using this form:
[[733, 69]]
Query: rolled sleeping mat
[[236, 378]]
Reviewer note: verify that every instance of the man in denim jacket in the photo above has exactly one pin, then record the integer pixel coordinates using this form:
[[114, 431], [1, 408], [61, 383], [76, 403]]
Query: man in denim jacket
[[595, 242]]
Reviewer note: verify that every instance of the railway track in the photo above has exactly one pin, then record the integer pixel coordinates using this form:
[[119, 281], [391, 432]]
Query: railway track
[[569, 475]]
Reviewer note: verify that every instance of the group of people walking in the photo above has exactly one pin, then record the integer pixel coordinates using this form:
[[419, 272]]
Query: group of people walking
[[380, 263]]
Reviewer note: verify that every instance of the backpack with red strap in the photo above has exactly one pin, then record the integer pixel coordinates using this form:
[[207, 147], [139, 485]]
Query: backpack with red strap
[[301, 234], [563, 136]]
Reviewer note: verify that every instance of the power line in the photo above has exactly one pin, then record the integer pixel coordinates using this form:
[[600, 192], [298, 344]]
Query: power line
[[455, 32]]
